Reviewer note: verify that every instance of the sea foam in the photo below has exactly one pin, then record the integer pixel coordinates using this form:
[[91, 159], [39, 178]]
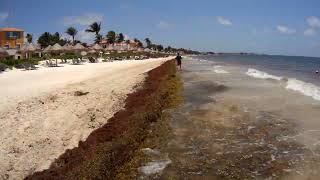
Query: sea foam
[[262, 75], [219, 70], [307, 89]]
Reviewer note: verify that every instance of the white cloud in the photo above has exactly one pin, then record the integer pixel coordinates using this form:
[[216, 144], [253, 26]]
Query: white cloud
[[313, 22], [3, 16], [164, 25], [285, 30], [224, 21], [86, 37], [309, 32], [84, 20], [66, 36]]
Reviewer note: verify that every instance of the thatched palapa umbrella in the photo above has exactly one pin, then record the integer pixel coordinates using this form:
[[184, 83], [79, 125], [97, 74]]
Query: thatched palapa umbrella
[[92, 51], [47, 49], [67, 47], [97, 47], [56, 49], [28, 49], [110, 48], [79, 47]]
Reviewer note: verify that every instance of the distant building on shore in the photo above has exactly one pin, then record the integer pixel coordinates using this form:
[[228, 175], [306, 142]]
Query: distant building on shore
[[11, 38], [129, 45]]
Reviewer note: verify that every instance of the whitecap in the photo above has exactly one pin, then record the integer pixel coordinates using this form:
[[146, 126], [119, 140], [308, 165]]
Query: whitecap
[[307, 89], [262, 75], [219, 70]]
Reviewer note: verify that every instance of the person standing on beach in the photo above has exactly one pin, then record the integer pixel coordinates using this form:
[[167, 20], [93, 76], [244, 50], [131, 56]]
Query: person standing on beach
[[178, 59]]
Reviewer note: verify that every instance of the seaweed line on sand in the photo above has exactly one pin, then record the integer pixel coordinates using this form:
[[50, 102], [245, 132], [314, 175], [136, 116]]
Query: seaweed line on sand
[[114, 150]]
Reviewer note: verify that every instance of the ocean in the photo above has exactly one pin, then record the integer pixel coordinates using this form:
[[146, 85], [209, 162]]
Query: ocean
[[299, 71], [246, 117]]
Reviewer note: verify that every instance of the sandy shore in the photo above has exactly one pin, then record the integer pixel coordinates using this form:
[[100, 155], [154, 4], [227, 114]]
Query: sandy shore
[[40, 116]]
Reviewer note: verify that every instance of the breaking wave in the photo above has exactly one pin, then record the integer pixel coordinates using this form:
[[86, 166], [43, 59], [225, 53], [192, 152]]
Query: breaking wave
[[219, 70], [262, 75], [307, 89]]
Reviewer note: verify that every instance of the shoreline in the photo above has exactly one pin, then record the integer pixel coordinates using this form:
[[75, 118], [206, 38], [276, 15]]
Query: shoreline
[[112, 147]]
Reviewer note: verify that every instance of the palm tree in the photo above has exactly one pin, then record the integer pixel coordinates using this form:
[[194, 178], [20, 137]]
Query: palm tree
[[95, 28], [148, 42], [120, 38], [111, 36], [72, 32], [29, 38]]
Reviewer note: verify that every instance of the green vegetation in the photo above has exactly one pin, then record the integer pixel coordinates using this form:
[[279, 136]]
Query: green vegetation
[[111, 37], [148, 42], [3, 67], [120, 38], [29, 38], [72, 32], [95, 28], [47, 39], [21, 64], [67, 56], [128, 54], [140, 45]]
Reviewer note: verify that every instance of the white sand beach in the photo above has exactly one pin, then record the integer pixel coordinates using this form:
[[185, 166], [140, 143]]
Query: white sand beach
[[40, 116]]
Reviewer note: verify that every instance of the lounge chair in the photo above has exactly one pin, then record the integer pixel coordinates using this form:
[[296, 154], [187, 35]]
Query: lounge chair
[[92, 60]]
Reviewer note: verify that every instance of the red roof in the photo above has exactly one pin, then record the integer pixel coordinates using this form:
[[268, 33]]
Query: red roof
[[11, 29]]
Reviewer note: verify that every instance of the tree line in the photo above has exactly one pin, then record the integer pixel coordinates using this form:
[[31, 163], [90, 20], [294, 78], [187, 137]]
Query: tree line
[[112, 37]]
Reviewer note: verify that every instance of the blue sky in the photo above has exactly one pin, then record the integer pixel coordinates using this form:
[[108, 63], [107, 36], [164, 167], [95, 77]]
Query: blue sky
[[287, 27]]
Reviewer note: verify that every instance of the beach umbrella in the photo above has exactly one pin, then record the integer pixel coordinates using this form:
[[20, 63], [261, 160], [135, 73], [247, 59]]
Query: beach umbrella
[[79, 47], [28, 49], [97, 47], [92, 51], [38, 47], [117, 48], [56, 48], [121, 48], [110, 48], [47, 49], [67, 47]]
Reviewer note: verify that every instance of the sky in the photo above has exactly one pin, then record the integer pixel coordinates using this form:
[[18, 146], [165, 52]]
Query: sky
[[282, 27]]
